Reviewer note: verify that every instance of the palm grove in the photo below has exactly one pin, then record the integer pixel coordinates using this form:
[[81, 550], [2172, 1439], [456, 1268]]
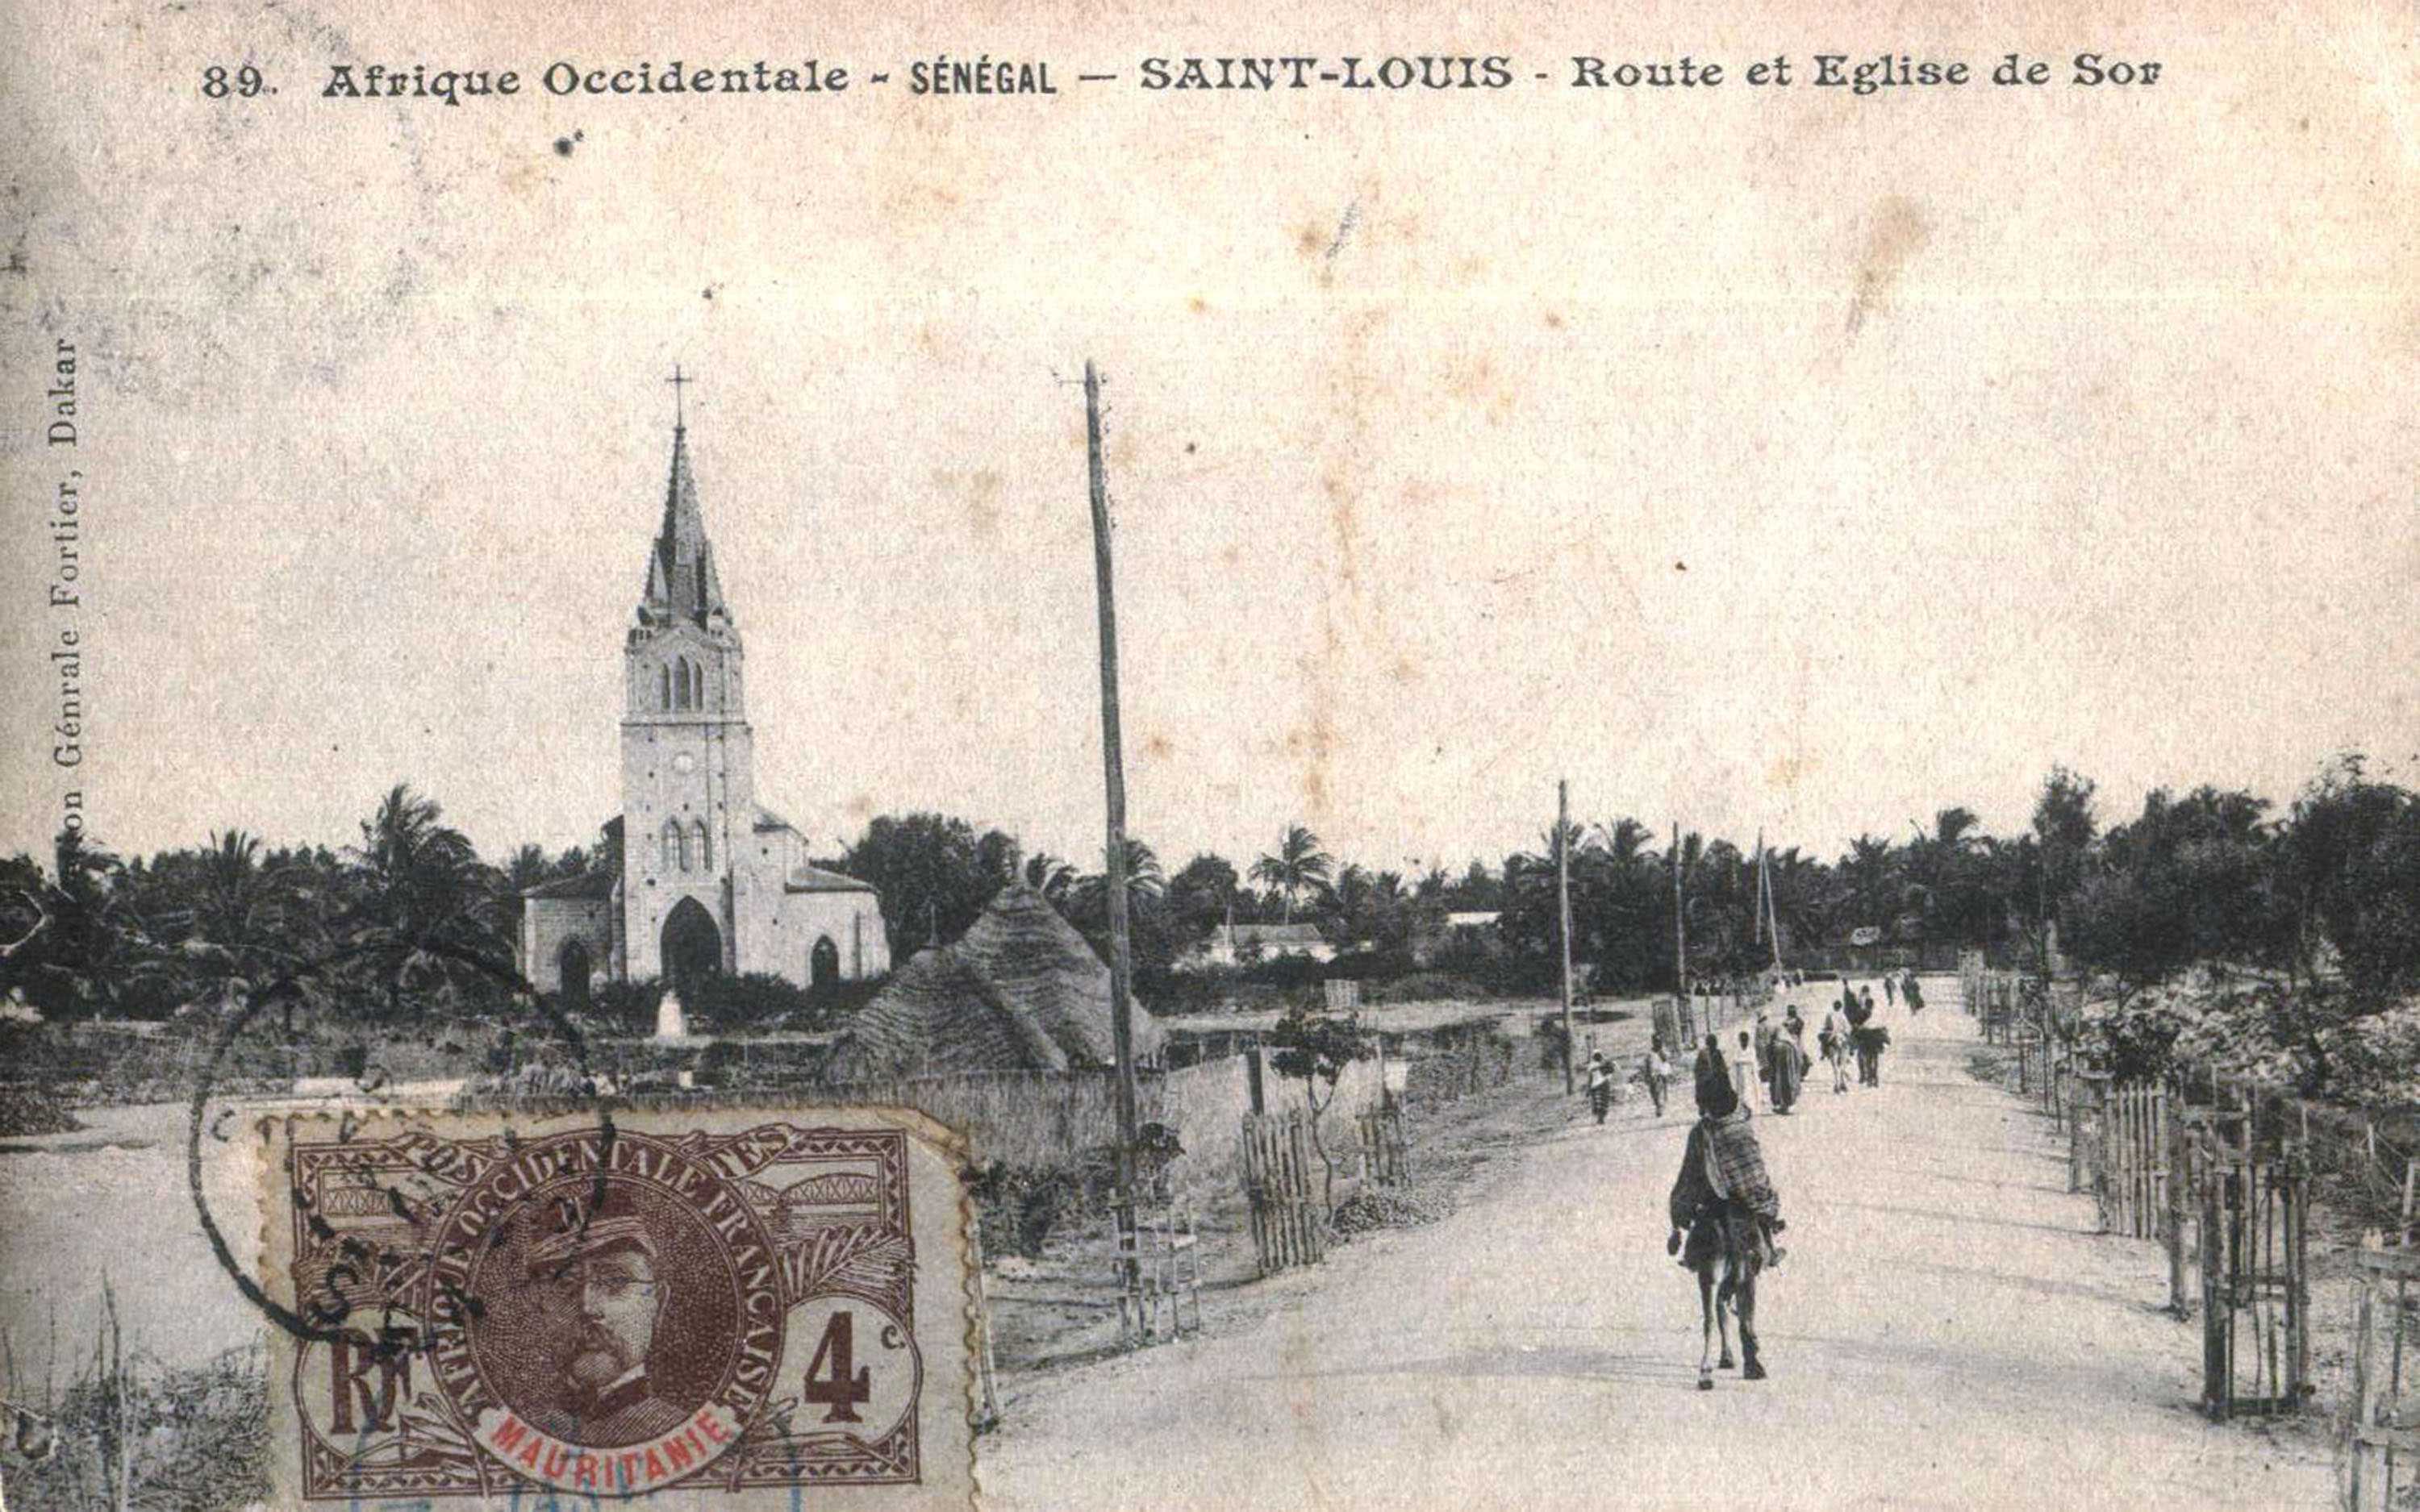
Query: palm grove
[[2215, 921]]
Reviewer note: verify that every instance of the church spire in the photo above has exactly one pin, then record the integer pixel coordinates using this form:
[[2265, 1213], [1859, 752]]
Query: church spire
[[681, 579]]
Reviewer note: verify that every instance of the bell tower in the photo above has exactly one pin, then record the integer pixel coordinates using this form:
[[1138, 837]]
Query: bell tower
[[688, 798]]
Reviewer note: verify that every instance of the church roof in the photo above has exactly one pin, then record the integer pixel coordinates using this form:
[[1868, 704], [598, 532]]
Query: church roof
[[1020, 990], [586, 885], [816, 879], [681, 579]]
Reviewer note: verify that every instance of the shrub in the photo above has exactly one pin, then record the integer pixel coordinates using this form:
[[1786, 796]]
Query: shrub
[[1018, 1205], [1377, 1206], [1424, 987], [33, 1110]]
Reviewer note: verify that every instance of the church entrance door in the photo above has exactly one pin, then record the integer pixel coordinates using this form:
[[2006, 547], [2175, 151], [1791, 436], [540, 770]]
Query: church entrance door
[[692, 946], [575, 966], [823, 966]]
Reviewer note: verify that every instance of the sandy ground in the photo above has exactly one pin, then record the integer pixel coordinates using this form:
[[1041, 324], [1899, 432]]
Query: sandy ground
[[1948, 1331], [110, 1202]]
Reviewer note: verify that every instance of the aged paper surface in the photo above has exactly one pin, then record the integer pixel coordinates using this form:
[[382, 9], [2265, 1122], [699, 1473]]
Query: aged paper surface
[[552, 584]]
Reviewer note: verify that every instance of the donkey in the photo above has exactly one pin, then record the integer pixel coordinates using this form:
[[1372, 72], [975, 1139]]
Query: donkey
[[1726, 1253]]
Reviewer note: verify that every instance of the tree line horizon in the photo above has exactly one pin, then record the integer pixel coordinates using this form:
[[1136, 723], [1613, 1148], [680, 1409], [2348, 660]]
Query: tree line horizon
[[2326, 890]]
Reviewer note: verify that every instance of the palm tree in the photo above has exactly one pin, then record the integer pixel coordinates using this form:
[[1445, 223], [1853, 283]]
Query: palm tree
[[1049, 876], [1145, 882], [1297, 864], [98, 946], [421, 901], [1951, 828], [1626, 840], [1866, 879]]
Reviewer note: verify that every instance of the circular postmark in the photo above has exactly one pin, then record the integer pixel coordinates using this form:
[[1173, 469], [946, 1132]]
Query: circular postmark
[[324, 1321], [604, 1313]]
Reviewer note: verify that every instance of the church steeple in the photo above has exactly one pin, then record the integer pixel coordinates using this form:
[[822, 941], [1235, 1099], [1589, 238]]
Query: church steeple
[[681, 579]]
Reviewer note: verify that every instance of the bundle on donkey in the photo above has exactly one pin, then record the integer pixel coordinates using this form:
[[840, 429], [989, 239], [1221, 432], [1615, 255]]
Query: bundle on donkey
[[1724, 1205]]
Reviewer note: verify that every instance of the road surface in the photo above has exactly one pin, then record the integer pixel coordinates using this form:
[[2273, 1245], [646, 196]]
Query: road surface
[[1947, 1331]]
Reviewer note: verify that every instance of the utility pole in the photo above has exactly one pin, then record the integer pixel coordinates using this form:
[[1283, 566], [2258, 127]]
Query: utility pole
[[1113, 775], [1680, 926], [1563, 917]]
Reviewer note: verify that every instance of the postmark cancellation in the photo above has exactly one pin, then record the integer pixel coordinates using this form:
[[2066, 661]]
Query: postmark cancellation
[[719, 1310]]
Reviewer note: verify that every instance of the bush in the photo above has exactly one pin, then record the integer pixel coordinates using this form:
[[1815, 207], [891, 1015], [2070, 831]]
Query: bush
[[1287, 971], [627, 1007], [1375, 1208], [1374, 966], [1424, 987], [1018, 1205], [752, 1002], [33, 1110]]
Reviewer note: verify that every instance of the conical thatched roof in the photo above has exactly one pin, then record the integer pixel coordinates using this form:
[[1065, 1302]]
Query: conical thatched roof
[[1020, 991]]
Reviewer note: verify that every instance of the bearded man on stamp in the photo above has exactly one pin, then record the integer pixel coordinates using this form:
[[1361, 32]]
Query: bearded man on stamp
[[606, 1396]]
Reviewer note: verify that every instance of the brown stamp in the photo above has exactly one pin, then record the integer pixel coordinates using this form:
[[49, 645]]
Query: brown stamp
[[699, 1310]]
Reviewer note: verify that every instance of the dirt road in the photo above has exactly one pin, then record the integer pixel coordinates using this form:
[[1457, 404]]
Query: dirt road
[[1948, 1331]]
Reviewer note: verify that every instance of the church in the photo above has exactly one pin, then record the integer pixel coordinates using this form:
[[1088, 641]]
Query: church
[[709, 881]]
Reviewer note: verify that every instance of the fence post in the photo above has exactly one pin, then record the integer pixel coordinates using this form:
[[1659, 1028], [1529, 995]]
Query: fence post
[[2076, 1151], [2216, 1319], [2180, 1175]]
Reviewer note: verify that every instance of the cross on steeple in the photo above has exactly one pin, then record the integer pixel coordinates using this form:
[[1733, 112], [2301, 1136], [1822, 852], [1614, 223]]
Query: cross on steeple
[[678, 382]]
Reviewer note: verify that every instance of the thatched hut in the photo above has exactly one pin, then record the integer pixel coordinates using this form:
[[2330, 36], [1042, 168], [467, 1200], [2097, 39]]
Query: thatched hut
[[1020, 990]]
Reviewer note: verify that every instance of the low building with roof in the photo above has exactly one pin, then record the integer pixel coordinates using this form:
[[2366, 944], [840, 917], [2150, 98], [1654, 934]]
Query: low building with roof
[[1020, 990], [1232, 944]]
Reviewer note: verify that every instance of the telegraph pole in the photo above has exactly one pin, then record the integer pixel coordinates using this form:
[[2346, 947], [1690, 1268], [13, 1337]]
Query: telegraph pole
[[1680, 925], [1563, 917], [1113, 774]]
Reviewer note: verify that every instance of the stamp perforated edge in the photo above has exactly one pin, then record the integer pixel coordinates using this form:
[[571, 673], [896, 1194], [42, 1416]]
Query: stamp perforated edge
[[951, 1144]]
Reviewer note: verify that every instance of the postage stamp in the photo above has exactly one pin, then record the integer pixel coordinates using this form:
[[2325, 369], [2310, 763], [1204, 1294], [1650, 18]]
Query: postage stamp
[[691, 1309]]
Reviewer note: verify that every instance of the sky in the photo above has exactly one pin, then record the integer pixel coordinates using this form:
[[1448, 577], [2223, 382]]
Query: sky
[[1783, 461]]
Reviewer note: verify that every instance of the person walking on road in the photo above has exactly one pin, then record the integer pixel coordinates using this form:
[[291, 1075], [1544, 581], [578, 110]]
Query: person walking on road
[[1890, 988], [1599, 1084], [1747, 1080], [1656, 1072], [1833, 1040], [1912, 994], [1867, 1039], [1785, 1071]]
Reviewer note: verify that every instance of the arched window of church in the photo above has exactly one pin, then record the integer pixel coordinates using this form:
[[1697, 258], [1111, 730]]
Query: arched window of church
[[681, 683], [705, 847], [697, 685], [671, 840], [664, 686]]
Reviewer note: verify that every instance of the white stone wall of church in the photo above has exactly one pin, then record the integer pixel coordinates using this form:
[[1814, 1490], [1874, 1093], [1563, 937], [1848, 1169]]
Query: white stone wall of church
[[783, 938], [719, 789], [548, 924], [649, 652]]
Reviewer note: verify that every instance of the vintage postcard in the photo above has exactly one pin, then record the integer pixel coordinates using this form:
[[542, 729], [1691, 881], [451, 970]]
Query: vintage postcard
[[1263, 755]]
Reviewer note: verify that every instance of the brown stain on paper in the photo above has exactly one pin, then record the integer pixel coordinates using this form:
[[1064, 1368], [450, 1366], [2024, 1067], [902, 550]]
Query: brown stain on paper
[[1898, 231]]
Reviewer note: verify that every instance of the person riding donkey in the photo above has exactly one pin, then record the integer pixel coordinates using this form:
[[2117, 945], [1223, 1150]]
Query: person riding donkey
[[1724, 1207]]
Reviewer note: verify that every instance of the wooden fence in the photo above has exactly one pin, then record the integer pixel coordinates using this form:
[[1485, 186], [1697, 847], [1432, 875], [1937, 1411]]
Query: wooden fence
[[2381, 1433], [2134, 1163], [1281, 1177], [2255, 1282], [2225, 1185], [1385, 1154]]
